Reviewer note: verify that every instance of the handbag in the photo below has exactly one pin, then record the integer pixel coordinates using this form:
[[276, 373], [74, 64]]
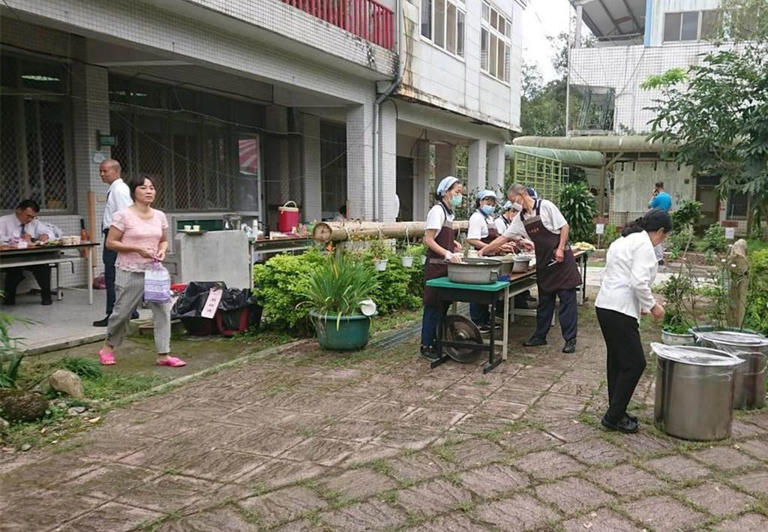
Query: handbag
[[157, 284]]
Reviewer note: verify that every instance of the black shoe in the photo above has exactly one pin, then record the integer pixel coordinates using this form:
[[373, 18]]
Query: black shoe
[[631, 418], [484, 329], [570, 346], [429, 352], [101, 323], [134, 315], [626, 425], [48, 301], [534, 341], [661, 263]]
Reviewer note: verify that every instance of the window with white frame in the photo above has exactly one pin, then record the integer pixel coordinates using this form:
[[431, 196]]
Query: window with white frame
[[692, 25], [442, 22], [495, 34]]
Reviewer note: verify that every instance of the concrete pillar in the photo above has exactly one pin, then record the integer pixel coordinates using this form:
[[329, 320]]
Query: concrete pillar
[[312, 182], [422, 195], [496, 167], [476, 163], [445, 163], [386, 211], [360, 162]]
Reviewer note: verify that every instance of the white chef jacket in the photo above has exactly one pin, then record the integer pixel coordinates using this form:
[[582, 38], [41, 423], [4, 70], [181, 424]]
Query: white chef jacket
[[502, 224], [551, 217], [436, 218], [630, 269], [478, 226], [118, 198], [10, 228]]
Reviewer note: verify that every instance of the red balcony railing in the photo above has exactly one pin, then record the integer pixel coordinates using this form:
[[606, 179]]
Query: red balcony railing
[[365, 18]]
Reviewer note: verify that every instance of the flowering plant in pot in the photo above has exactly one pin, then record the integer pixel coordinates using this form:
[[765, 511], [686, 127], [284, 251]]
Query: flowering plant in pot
[[334, 293], [410, 254], [378, 251]]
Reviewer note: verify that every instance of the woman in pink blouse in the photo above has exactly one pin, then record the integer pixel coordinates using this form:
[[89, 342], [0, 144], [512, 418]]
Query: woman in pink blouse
[[137, 234]]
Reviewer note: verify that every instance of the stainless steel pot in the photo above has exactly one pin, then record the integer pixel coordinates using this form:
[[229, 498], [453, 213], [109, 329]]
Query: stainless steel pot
[[749, 386], [694, 391], [505, 263], [474, 271], [521, 263]]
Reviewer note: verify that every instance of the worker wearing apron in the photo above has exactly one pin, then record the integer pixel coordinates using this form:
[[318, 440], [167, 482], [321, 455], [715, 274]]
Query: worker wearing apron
[[557, 274], [482, 231], [441, 248]]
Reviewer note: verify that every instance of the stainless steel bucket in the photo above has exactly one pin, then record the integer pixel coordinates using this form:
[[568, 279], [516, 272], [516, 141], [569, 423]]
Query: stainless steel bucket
[[749, 387], [694, 391], [474, 271]]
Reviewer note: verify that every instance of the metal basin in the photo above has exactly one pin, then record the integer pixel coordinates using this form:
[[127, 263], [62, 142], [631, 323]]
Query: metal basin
[[474, 271], [694, 391], [522, 263]]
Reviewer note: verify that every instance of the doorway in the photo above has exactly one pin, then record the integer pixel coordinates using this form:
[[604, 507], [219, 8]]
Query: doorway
[[404, 188]]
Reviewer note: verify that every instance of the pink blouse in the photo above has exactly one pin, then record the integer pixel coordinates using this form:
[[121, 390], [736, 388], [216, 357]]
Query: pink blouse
[[140, 233]]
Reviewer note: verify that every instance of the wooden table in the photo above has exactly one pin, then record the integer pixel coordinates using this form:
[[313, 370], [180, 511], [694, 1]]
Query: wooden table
[[11, 257]]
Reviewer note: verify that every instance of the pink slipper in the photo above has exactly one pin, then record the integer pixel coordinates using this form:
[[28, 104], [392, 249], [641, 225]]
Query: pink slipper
[[172, 362], [106, 358]]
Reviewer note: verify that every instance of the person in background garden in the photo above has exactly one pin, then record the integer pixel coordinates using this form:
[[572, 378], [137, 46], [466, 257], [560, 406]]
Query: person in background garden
[[441, 247], [662, 201], [557, 275], [138, 235], [118, 198], [625, 294], [23, 225]]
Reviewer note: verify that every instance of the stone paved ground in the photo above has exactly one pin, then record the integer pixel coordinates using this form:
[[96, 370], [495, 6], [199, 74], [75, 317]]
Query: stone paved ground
[[308, 440]]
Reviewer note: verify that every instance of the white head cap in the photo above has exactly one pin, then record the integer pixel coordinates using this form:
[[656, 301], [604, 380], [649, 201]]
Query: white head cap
[[486, 194], [509, 206], [445, 184]]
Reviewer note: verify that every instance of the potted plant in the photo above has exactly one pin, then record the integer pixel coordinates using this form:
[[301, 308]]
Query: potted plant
[[410, 253], [378, 251], [334, 292], [679, 296]]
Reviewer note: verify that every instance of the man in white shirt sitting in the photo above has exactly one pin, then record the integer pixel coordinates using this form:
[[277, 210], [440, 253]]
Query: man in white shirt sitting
[[118, 198], [23, 226]]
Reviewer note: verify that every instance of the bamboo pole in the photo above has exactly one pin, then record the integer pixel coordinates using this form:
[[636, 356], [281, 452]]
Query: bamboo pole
[[325, 232]]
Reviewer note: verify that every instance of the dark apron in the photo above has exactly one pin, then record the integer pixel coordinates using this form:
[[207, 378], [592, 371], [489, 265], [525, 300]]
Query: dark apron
[[561, 275], [492, 232], [435, 266]]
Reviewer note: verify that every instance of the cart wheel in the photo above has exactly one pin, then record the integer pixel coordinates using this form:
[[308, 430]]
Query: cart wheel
[[460, 329]]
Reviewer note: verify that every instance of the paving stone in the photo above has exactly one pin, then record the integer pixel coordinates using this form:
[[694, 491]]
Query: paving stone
[[602, 520], [402, 436], [222, 466], [761, 419], [596, 452], [358, 483], [433, 497], [502, 409], [434, 417], [572, 431], [664, 513], [718, 499], [278, 473], [755, 483], [474, 452], [322, 451], [572, 495], [283, 505], [494, 479], [167, 493], [481, 423], [354, 430], [521, 512], [741, 429], [419, 466], [302, 525], [527, 441], [266, 441], [380, 411], [744, 523], [756, 448], [41, 509], [455, 522], [114, 517], [626, 479], [725, 458], [109, 481], [373, 515], [677, 468], [47, 472], [215, 520], [548, 465]]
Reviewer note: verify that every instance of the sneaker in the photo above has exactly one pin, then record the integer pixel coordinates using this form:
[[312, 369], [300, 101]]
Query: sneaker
[[534, 341], [626, 425], [570, 346], [428, 352], [102, 322]]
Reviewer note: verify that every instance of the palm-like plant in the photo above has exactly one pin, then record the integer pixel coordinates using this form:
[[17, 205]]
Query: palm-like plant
[[339, 284], [578, 207]]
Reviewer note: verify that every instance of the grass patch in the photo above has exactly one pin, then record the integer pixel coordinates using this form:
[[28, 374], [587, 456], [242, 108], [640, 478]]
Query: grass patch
[[394, 320]]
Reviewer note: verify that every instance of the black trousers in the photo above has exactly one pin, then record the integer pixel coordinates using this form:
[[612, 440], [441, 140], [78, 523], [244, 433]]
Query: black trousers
[[625, 361], [13, 276], [569, 313], [109, 257]]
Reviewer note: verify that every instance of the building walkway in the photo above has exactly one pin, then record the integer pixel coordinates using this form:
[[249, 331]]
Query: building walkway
[[374, 440]]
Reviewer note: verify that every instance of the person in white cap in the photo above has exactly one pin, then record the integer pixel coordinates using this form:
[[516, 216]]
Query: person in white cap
[[441, 247], [482, 231], [508, 213]]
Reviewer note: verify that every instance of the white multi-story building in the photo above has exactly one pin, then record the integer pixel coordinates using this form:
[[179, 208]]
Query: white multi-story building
[[242, 105], [635, 39]]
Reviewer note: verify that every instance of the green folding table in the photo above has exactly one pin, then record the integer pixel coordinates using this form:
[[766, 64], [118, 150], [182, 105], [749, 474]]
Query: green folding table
[[483, 294]]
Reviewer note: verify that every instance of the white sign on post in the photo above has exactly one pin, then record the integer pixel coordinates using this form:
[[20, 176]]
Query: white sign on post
[[599, 229], [730, 233]]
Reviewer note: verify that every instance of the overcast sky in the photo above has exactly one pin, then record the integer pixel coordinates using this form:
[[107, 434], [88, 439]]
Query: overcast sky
[[540, 19]]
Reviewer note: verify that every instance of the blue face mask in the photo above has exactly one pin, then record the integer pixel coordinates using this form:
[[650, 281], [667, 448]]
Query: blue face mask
[[456, 200], [487, 209]]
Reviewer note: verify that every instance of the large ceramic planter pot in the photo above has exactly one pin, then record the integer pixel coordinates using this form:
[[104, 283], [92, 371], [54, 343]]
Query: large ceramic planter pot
[[669, 338], [341, 334]]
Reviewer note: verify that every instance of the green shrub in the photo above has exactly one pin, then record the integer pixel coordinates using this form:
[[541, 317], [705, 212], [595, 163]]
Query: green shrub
[[609, 236], [10, 353], [757, 306], [84, 367], [396, 286], [687, 214], [679, 241], [280, 285], [714, 239], [679, 293], [338, 284], [578, 207]]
